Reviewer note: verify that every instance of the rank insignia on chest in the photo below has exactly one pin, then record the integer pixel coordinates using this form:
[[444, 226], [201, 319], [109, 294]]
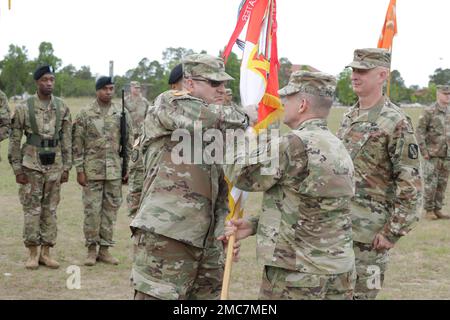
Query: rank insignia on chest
[[413, 151]]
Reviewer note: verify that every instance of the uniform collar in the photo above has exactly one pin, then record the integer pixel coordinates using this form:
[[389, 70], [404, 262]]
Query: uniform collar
[[313, 123], [97, 109], [441, 108], [40, 105], [368, 115]]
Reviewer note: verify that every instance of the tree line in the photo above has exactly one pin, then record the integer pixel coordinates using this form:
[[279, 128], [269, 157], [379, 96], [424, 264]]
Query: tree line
[[17, 69]]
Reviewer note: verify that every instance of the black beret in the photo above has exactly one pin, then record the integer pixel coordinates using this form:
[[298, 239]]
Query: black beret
[[41, 71], [103, 81], [176, 74]]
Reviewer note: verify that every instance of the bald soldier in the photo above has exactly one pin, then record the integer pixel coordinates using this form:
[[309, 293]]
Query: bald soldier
[[96, 147], [183, 205], [380, 139], [304, 234], [41, 165], [137, 107], [5, 120], [433, 135]]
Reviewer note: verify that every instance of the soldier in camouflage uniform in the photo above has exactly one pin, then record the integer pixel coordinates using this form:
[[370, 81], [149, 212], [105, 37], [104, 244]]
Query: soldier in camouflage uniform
[[96, 145], [137, 107], [41, 165], [183, 206], [380, 139], [304, 234], [433, 135], [5, 120]]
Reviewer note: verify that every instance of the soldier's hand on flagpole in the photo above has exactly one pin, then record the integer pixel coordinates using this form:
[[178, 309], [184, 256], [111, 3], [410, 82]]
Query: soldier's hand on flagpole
[[236, 247], [125, 179], [241, 228], [380, 243], [252, 112]]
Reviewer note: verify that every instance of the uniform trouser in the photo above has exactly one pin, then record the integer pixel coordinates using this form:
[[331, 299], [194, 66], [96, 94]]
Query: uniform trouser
[[281, 284], [370, 267], [101, 200], [39, 199], [167, 269], [436, 176]]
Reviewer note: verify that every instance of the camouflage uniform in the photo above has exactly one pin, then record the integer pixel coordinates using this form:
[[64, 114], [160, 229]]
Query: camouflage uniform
[[183, 206], [41, 196], [5, 120], [96, 144], [304, 234], [137, 108], [388, 172], [433, 134]]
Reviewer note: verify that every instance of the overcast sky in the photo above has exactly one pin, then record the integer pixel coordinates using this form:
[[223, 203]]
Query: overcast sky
[[321, 33]]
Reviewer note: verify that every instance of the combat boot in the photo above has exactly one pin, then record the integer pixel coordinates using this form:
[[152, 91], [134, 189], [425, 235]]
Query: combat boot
[[429, 215], [441, 215], [33, 260], [46, 260], [92, 256], [106, 257]]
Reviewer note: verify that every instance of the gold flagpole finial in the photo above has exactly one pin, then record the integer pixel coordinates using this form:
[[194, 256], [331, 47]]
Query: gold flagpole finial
[[9, 4]]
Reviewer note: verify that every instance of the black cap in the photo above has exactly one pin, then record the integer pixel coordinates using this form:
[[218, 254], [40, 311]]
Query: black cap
[[103, 81], [42, 70], [176, 74]]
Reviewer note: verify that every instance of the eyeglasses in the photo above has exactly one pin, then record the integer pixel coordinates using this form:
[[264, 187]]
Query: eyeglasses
[[212, 83]]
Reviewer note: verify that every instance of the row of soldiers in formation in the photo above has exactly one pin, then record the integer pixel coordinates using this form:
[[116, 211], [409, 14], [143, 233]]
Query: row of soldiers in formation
[[331, 212]]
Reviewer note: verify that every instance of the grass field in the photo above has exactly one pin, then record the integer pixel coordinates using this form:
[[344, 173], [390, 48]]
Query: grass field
[[419, 268]]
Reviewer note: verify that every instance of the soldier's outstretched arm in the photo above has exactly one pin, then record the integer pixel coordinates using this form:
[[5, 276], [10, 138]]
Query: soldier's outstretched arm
[[404, 154], [422, 127], [262, 168]]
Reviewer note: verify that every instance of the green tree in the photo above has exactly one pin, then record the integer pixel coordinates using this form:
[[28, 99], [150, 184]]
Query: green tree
[[47, 56], [398, 90], [440, 76], [16, 70], [285, 71], [233, 68], [172, 56], [344, 90]]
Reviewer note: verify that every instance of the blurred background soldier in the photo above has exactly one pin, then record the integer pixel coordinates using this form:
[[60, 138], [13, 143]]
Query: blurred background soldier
[[42, 164], [433, 135], [96, 145], [176, 78], [137, 107], [388, 199], [5, 120]]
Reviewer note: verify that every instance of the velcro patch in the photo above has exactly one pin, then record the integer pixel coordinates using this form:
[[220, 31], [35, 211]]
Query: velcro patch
[[413, 151]]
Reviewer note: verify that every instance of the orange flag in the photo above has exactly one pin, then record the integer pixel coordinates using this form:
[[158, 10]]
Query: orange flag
[[389, 27]]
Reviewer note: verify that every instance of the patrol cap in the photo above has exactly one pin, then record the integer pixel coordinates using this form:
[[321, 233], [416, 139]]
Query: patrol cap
[[316, 83], [370, 58], [135, 84], [102, 82], [40, 71], [228, 92], [205, 66], [176, 74], [443, 88]]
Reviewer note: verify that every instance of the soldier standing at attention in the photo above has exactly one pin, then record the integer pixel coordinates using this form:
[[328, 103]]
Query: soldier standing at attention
[[137, 107], [304, 232], [5, 120], [433, 135], [96, 145], [42, 165], [388, 198], [183, 205]]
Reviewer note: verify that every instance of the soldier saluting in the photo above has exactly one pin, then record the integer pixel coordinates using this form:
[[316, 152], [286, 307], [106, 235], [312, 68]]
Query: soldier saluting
[[42, 164]]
